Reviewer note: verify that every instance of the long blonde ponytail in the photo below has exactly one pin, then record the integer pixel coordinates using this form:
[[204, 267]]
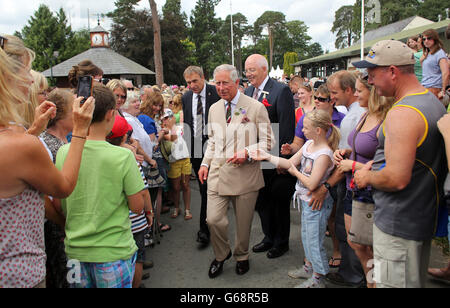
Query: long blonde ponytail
[[323, 120]]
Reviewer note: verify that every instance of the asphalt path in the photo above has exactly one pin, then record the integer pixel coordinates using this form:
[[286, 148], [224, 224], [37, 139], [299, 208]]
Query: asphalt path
[[179, 263]]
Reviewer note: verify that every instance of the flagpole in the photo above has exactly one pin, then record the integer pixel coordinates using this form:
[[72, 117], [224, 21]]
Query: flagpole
[[232, 34], [362, 29]]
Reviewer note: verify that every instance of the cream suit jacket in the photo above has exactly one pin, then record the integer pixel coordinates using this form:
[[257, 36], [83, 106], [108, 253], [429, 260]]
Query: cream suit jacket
[[249, 128]]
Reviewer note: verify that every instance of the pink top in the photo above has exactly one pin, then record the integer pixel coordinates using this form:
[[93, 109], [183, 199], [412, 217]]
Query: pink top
[[22, 248]]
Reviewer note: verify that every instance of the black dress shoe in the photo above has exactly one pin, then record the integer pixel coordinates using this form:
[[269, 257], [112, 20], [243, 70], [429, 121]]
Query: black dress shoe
[[261, 247], [276, 252], [242, 267], [216, 267], [203, 238], [337, 279]]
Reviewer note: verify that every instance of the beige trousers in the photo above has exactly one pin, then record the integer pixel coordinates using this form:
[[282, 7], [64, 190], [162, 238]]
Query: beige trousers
[[217, 219], [399, 263]]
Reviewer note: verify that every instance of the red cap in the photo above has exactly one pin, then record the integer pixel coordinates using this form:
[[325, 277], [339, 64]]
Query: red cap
[[120, 128]]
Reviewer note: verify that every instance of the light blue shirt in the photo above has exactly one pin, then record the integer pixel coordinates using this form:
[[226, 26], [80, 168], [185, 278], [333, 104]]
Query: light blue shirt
[[431, 71], [351, 119]]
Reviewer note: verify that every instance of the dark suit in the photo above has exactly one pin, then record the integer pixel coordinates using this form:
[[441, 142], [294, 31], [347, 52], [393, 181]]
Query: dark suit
[[273, 204], [197, 152]]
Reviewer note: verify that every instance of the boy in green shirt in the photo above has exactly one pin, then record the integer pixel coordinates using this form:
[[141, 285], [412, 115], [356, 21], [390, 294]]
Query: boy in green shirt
[[98, 228]]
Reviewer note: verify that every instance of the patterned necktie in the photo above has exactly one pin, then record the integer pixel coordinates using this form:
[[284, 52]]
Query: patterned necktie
[[256, 94], [199, 130], [228, 116]]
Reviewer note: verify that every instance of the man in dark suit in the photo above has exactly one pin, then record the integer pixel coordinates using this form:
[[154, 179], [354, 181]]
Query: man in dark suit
[[196, 104], [273, 204]]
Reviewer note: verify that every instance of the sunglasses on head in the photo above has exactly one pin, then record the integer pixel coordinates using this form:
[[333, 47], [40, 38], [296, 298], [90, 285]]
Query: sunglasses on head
[[321, 99], [3, 41]]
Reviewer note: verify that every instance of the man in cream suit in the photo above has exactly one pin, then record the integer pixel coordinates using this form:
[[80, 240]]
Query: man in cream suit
[[237, 125]]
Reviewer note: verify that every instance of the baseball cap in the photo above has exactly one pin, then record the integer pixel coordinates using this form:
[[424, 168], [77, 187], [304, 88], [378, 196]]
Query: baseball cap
[[167, 113], [387, 53], [120, 128]]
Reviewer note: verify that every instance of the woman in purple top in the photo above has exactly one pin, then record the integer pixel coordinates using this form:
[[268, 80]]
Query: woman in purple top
[[364, 142], [323, 101]]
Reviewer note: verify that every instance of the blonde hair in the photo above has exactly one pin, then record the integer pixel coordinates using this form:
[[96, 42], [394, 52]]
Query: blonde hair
[[116, 83], [40, 84], [177, 103], [147, 105], [323, 120], [14, 57], [378, 105]]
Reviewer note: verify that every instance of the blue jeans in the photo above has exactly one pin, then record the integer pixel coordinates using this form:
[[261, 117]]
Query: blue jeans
[[314, 226]]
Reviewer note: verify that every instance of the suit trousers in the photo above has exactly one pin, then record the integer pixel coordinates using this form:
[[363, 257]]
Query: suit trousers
[[217, 217], [196, 163], [273, 207], [350, 268]]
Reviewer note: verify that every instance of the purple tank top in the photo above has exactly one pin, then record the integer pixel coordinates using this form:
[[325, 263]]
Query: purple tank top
[[366, 144]]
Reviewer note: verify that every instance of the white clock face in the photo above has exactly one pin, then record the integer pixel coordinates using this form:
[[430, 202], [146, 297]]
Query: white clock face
[[97, 39], [106, 39]]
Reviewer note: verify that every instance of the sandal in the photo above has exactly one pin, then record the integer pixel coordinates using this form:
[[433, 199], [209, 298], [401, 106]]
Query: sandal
[[187, 215], [164, 227], [332, 260], [175, 213]]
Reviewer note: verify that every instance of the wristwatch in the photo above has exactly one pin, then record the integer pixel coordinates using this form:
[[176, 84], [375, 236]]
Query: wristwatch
[[327, 186]]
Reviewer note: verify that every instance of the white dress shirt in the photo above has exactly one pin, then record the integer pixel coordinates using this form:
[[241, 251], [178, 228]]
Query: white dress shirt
[[194, 108]]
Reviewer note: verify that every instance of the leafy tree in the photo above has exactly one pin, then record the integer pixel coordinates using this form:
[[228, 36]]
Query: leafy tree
[[344, 27], [314, 50], [47, 33], [430, 9], [204, 33], [176, 47], [275, 23], [289, 58]]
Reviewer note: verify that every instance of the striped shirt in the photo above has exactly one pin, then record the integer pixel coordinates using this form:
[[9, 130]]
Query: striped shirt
[[139, 221]]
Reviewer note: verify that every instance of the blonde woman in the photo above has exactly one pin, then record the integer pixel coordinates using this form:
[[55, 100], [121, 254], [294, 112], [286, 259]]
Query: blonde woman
[[176, 105], [30, 171], [364, 142], [38, 95]]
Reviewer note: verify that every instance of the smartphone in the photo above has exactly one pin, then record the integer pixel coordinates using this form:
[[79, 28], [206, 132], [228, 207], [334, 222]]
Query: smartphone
[[85, 88]]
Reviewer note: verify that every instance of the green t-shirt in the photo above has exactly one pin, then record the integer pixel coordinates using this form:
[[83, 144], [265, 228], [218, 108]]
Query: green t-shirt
[[418, 65], [98, 228]]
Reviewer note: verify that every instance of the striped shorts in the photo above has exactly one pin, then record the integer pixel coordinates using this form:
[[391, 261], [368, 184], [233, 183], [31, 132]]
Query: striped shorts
[[118, 274]]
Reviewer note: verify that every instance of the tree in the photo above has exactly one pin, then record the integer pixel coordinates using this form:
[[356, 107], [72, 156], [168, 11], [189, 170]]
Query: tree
[[204, 33], [275, 23], [177, 50], [344, 27], [314, 50], [157, 44], [47, 33], [289, 58], [430, 9], [240, 30]]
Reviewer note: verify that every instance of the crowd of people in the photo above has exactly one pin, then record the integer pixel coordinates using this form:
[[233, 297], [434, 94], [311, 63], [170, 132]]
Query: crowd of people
[[362, 155]]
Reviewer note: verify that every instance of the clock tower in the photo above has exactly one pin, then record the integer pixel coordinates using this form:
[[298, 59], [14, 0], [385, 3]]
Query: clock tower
[[99, 37]]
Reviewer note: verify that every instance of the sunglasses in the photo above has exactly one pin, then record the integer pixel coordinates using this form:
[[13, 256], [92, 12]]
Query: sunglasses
[[121, 96], [130, 89], [427, 38], [3, 41], [321, 99]]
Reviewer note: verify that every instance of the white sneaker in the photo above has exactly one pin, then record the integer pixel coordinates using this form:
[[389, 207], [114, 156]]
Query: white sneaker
[[312, 284], [300, 273]]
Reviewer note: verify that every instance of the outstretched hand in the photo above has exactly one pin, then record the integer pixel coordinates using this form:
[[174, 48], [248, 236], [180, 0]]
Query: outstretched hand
[[259, 155]]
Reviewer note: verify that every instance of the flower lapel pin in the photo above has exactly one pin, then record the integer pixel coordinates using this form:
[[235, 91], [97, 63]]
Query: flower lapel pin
[[242, 112], [265, 101]]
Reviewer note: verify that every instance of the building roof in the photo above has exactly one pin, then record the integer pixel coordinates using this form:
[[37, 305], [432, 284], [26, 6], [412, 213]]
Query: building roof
[[98, 29], [355, 49], [109, 61]]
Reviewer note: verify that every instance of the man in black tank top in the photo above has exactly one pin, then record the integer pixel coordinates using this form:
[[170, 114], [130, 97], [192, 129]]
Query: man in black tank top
[[408, 169]]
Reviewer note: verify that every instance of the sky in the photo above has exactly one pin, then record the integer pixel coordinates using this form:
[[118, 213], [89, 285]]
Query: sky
[[318, 15]]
